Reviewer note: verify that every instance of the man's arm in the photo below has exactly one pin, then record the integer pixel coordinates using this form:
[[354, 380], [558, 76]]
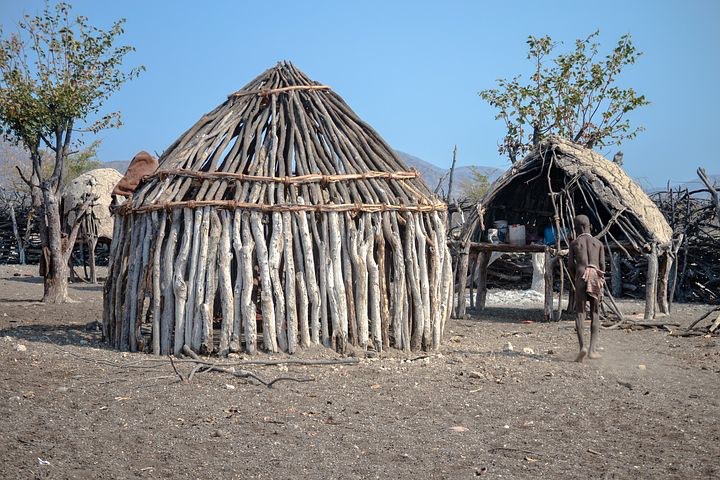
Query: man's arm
[[571, 261], [602, 258]]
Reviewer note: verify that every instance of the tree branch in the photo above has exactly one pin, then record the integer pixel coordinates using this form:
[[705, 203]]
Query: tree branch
[[75, 228]]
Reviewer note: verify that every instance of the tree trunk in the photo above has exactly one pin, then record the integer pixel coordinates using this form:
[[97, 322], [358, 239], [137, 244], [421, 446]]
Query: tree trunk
[[56, 275], [16, 232]]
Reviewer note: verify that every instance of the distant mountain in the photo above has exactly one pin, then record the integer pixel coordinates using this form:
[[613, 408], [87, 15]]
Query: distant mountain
[[434, 175], [694, 184], [119, 165]]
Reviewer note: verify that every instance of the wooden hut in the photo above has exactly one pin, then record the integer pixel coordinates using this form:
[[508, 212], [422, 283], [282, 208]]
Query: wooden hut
[[555, 182], [278, 221], [96, 223]]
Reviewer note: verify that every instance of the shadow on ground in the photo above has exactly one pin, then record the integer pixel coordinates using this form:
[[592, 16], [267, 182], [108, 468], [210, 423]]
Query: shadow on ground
[[78, 335]]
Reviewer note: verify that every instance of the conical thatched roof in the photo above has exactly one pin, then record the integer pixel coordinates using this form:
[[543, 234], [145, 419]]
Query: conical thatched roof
[[268, 142], [293, 216], [597, 186]]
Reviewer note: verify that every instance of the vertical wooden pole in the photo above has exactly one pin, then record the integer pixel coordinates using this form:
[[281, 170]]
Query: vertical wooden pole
[[462, 272], [615, 274], [471, 286], [663, 282], [482, 262], [558, 311], [549, 267], [92, 244], [651, 283]]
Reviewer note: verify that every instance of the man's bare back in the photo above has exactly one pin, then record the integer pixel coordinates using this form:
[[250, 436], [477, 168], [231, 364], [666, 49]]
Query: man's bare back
[[586, 262]]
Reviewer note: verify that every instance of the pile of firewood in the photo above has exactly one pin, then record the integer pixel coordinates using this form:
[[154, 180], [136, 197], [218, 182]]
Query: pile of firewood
[[695, 219], [17, 243]]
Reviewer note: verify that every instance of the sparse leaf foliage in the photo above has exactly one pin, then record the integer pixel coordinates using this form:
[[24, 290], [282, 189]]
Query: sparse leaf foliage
[[573, 95], [56, 72]]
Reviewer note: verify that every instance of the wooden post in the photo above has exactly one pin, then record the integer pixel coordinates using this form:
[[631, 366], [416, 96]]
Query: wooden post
[[92, 244], [663, 282], [471, 286], [549, 267], [482, 266], [615, 275], [651, 283], [558, 311], [462, 280]]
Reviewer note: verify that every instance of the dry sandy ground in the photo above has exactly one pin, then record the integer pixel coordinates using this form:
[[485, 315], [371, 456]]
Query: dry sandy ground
[[71, 408]]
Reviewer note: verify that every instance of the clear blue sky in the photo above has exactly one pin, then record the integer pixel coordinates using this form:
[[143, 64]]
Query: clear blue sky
[[412, 69]]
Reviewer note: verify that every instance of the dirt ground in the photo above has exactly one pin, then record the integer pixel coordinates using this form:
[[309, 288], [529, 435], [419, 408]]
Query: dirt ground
[[71, 408]]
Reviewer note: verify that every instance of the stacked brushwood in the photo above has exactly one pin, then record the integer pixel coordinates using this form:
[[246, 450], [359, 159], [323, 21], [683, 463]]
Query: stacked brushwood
[[279, 221], [19, 237], [693, 215], [18, 244]]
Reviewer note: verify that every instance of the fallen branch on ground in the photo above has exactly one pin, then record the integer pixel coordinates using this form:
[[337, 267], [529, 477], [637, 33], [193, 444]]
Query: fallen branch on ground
[[204, 366], [692, 329], [645, 324]]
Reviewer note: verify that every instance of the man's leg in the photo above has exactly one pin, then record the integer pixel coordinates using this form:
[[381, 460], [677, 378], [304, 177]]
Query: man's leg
[[580, 301], [594, 328], [579, 320]]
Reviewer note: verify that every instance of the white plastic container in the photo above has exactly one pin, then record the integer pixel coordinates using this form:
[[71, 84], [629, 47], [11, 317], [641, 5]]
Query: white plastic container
[[516, 234], [492, 235], [502, 228]]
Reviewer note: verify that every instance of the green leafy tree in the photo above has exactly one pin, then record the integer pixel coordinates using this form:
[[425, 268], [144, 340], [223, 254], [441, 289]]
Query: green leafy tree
[[77, 163], [56, 72], [474, 187], [573, 95]]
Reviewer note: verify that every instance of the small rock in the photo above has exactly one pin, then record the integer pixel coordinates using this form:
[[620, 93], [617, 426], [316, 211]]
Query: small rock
[[62, 389], [229, 387], [20, 347], [528, 351], [14, 399], [7, 338], [642, 367], [459, 428], [83, 342], [218, 434], [506, 426], [233, 355], [476, 375], [508, 347], [551, 352]]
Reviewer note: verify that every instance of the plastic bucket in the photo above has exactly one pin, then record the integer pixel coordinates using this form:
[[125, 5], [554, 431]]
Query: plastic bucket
[[516, 235], [502, 228]]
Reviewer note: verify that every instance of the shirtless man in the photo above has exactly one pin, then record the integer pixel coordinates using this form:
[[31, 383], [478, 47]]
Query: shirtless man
[[586, 262]]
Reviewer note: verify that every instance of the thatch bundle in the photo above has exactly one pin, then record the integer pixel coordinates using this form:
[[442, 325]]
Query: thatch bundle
[[289, 220]]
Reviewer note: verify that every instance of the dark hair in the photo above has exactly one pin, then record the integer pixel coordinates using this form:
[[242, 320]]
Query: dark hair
[[581, 221]]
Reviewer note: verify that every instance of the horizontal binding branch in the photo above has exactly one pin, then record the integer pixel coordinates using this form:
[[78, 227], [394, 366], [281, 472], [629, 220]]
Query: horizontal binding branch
[[233, 205], [266, 92], [310, 178]]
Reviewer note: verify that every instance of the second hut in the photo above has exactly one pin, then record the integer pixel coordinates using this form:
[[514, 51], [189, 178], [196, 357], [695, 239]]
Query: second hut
[[278, 221]]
